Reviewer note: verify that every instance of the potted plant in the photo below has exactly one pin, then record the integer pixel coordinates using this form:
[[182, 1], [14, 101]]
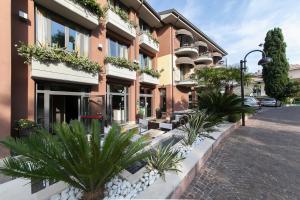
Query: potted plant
[[140, 114], [158, 113], [24, 127]]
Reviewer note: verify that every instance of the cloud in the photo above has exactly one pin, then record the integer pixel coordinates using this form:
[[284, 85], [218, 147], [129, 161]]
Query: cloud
[[240, 25]]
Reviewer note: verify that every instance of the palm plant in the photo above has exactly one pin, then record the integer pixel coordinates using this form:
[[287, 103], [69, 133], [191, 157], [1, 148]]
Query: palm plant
[[221, 105], [71, 157], [197, 124], [164, 159]]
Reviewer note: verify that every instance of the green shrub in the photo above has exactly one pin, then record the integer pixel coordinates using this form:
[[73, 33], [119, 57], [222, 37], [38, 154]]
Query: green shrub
[[47, 54], [69, 156], [234, 117], [121, 62], [92, 6], [164, 159], [196, 124], [151, 72], [221, 105]]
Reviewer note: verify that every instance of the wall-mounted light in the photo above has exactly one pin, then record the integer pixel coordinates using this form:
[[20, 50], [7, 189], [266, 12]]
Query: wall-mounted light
[[100, 46], [23, 16]]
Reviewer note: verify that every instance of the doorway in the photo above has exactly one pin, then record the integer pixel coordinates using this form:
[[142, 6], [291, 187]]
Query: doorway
[[117, 104], [64, 108], [146, 101]]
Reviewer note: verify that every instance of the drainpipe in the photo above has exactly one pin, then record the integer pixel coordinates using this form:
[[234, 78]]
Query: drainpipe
[[172, 49]]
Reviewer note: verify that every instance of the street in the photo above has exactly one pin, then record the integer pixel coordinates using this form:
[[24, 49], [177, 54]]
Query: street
[[259, 161]]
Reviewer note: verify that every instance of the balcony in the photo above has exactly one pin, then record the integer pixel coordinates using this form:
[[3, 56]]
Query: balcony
[[71, 11], [119, 72], [185, 61], [115, 23], [186, 51], [146, 78], [61, 72], [186, 82], [204, 59], [148, 43]]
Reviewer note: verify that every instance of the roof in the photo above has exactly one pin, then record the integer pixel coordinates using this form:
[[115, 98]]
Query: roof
[[294, 66], [151, 9], [176, 13]]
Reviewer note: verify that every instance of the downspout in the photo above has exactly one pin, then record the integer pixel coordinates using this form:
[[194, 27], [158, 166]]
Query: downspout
[[172, 49], [172, 60]]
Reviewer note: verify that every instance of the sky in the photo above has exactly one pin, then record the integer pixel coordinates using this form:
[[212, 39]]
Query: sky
[[239, 26]]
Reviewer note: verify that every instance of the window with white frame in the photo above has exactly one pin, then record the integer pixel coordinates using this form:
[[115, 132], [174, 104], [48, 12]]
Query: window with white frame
[[55, 31], [116, 49], [145, 61]]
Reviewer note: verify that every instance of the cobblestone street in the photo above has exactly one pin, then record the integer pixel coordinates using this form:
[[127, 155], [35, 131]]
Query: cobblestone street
[[259, 161]]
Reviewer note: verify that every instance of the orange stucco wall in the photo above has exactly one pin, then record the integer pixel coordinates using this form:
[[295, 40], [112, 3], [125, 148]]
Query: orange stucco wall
[[5, 73]]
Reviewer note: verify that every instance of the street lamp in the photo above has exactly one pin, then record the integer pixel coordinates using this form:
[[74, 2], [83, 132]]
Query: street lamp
[[262, 61]]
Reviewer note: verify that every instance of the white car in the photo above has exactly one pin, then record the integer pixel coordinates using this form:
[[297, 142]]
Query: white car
[[269, 102], [252, 102]]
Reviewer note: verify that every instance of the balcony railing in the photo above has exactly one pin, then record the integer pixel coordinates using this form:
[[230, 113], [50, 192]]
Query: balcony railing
[[119, 72], [115, 23], [72, 11], [205, 59], [146, 78], [186, 82], [61, 72], [148, 43], [189, 51]]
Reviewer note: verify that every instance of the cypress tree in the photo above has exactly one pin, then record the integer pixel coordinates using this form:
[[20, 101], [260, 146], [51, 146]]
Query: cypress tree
[[275, 74]]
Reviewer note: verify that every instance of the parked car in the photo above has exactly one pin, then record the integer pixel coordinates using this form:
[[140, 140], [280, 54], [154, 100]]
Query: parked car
[[252, 102], [270, 102]]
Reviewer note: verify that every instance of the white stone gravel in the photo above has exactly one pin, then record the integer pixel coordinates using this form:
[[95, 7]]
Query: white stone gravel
[[118, 188]]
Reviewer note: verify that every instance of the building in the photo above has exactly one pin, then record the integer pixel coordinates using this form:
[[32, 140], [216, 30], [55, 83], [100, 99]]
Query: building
[[132, 44], [294, 72], [183, 48]]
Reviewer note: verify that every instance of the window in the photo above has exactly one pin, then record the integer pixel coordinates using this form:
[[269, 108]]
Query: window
[[116, 49], [144, 27], [145, 61], [58, 32]]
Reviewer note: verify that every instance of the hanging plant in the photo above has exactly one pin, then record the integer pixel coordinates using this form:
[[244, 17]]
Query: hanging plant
[[48, 54], [122, 63]]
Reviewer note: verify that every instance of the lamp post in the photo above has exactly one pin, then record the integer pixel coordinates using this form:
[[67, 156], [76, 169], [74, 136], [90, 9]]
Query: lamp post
[[262, 61]]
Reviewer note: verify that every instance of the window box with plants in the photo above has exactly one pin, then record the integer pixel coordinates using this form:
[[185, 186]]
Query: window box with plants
[[53, 63], [117, 20], [120, 68], [150, 76], [148, 42], [84, 12]]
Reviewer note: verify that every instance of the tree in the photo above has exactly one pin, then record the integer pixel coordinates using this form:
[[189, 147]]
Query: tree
[[275, 74], [218, 78], [70, 156]]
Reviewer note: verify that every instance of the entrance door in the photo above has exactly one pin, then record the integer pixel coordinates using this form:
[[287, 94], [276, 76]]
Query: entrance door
[[146, 105], [117, 103], [63, 109]]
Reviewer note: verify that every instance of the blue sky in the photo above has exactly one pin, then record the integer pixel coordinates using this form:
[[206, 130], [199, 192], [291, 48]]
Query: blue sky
[[241, 25]]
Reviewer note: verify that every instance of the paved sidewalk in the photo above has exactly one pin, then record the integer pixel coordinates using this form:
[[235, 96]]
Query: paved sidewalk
[[259, 161]]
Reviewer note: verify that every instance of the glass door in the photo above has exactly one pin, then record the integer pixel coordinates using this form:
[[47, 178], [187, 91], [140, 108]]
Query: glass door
[[146, 105], [117, 104]]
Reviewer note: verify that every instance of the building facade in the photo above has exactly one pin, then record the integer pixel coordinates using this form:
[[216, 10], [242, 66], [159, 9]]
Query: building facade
[[133, 44]]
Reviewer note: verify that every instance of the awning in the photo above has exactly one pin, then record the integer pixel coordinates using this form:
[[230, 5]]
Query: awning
[[184, 61], [184, 32]]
